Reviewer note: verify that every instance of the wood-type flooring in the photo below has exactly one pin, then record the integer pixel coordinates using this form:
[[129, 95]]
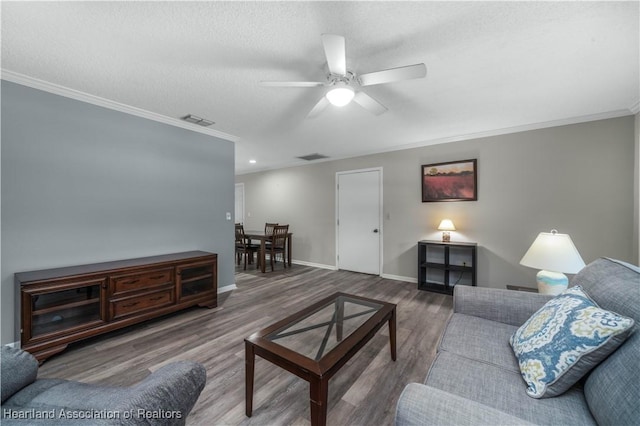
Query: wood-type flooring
[[363, 392]]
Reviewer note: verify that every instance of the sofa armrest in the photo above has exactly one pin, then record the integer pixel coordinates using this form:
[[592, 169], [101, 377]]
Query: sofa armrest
[[173, 388], [421, 405], [506, 306], [19, 369], [165, 397]]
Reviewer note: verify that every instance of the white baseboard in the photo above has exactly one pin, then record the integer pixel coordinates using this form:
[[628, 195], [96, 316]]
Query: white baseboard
[[400, 278], [314, 265], [227, 288], [14, 345]]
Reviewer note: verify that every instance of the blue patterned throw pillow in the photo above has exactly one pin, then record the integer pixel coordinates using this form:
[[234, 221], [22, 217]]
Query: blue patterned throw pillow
[[564, 340]]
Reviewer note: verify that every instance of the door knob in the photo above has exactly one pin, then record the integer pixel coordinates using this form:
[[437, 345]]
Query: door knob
[[375, 231]]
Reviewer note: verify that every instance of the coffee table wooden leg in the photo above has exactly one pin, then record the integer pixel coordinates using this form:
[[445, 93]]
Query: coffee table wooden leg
[[318, 398], [249, 363], [392, 334], [339, 319]]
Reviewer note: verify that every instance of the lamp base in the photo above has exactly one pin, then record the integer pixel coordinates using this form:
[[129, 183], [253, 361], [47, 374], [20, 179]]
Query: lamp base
[[552, 283], [446, 237]]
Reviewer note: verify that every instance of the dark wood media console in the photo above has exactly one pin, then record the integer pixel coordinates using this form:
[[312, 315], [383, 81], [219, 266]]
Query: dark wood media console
[[64, 305]]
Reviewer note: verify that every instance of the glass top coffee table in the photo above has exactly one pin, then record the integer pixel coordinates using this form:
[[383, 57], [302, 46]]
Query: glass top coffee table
[[316, 342]]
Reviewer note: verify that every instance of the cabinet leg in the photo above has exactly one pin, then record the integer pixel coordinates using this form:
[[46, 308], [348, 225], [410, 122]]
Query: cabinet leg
[[42, 355]]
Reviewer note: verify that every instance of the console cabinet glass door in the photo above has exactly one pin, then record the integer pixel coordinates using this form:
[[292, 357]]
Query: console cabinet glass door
[[195, 279], [65, 308]]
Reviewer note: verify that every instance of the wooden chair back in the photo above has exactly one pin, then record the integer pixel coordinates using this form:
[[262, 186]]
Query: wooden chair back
[[279, 236], [268, 228], [240, 238]]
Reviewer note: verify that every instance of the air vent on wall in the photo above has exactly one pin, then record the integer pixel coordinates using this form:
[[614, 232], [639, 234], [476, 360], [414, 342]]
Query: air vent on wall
[[197, 120], [312, 157]]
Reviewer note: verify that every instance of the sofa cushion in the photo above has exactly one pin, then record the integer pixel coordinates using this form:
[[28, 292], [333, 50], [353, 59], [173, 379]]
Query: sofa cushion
[[19, 369], [421, 405], [480, 339], [564, 340], [27, 396], [504, 390]]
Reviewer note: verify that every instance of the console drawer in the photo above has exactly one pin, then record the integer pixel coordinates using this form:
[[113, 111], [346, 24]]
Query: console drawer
[[140, 280], [143, 302]]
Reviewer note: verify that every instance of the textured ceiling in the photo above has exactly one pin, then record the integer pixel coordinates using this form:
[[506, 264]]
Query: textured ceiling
[[491, 66]]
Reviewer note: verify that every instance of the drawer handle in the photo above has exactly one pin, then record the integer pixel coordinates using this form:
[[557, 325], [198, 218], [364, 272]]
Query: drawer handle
[[157, 298], [157, 277], [131, 282], [130, 305]]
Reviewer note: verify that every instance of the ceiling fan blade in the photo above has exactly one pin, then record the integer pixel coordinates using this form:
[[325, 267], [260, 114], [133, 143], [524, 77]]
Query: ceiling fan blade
[[368, 103], [291, 83], [320, 106], [334, 50], [393, 74]]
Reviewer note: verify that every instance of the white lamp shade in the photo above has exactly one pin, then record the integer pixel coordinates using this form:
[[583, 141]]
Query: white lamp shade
[[446, 225], [341, 95], [553, 252]]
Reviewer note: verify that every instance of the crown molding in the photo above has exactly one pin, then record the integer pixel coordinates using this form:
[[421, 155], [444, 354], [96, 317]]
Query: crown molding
[[524, 128], [457, 138], [635, 108], [67, 92]]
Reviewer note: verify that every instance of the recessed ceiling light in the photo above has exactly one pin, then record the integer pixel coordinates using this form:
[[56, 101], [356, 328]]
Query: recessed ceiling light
[[252, 161]]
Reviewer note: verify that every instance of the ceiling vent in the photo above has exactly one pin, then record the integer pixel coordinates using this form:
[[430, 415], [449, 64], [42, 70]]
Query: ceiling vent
[[312, 157], [197, 120]]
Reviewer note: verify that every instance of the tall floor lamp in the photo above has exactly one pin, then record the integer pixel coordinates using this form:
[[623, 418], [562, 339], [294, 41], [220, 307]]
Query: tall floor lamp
[[555, 254]]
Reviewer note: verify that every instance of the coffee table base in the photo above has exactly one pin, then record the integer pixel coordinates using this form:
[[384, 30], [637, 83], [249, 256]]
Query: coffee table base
[[318, 385]]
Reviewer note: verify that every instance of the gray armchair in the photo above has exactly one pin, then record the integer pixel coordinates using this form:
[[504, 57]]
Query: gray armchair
[[165, 397]]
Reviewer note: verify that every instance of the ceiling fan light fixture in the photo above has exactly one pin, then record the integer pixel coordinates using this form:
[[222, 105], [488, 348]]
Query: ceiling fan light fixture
[[340, 95]]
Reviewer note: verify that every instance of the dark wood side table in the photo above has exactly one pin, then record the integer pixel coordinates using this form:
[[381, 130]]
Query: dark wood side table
[[522, 288]]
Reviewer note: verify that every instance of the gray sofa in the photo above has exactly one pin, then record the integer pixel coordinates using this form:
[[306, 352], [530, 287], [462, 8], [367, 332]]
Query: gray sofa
[[475, 378], [165, 397]]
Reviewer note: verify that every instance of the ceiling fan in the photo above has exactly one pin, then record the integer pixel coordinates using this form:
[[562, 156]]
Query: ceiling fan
[[344, 82]]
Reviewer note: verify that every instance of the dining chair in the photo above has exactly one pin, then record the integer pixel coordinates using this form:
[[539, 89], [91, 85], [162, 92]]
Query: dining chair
[[268, 231], [268, 228], [278, 243], [244, 248]]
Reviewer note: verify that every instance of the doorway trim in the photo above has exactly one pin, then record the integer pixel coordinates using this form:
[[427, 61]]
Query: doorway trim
[[380, 214], [237, 186]]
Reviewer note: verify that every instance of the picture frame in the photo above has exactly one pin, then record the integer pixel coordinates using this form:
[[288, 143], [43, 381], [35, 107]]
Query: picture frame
[[450, 181]]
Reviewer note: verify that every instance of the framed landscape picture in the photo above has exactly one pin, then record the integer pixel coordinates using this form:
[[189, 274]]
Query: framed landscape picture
[[452, 181]]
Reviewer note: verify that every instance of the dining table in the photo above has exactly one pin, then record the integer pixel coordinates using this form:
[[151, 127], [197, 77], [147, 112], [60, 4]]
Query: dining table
[[263, 237]]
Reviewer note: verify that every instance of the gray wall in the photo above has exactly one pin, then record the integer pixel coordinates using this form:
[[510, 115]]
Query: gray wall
[[84, 184], [578, 179]]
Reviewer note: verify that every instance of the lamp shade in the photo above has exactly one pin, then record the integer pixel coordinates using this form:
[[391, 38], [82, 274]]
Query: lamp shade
[[446, 225], [553, 252], [340, 95]]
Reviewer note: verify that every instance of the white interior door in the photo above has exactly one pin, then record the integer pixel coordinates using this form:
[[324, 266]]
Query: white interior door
[[239, 203], [359, 213]]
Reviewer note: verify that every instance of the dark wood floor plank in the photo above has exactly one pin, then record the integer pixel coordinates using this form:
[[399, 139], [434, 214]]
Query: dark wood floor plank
[[364, 391]]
